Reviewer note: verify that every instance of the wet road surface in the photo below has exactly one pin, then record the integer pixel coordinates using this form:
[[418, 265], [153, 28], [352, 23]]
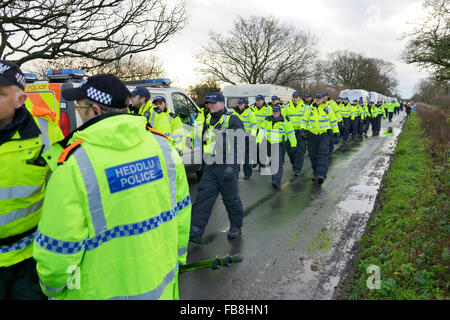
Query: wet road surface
[[297, 243]]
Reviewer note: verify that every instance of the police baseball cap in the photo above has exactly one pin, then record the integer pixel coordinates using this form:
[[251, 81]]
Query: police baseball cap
[[141, 91], [259, 97], [355, 100], [214, 97], [105, 89], [296, 94], [308, 95], [242, 101], [159, 98], [345, 98], [319, 95], [10, 74], [325, 94], [276, 108], [275, 98]]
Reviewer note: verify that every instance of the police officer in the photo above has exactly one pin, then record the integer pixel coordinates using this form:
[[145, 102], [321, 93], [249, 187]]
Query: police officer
[[295, 111], [317, 128], [261, 111], [277, 129], [140, 102], [219, 175], [175, 129], [245, 113], [116, 215], [331, 106], [356, 120], [24, 135], [346, 113]]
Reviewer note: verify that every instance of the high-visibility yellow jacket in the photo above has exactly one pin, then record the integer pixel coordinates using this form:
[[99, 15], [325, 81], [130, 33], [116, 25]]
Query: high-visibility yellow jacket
[[277, 130], [296, 113], [319, 119], [346, 110], [356, 111], [261, 113], [116, 215], [248, 118], [336, 109], [23, 182]]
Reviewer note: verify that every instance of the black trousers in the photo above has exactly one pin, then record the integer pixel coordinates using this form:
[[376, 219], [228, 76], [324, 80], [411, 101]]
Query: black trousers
[[347, 128], [211, 184], [20, 282], [318, 150], [297, 155], [276, 177]]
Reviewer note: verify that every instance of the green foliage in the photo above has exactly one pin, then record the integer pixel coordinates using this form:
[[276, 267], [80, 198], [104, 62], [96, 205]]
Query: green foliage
[[408, 236]]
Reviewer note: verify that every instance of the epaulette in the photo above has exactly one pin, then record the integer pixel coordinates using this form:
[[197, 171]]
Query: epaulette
[[65, 154], [173, 115]]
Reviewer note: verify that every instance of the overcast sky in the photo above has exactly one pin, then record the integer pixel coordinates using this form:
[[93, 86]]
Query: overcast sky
[[373, 28]]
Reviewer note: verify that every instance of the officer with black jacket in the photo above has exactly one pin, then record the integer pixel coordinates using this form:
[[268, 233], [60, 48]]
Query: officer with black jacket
[[220, 174]]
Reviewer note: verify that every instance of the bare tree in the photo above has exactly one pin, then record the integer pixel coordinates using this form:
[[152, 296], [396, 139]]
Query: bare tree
[[353, 70], [90, 29], [136, 67], [429, 41], [259, 50]]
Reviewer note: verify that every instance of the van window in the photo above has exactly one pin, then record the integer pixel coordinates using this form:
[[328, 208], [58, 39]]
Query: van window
[[184, 108]]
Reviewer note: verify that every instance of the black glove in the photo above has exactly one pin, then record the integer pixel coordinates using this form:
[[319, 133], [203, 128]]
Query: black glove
[[303, 134], [336, 138], [228, 174], [330, 132]]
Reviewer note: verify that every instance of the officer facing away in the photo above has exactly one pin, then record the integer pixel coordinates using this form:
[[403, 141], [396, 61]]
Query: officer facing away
[[116, 214], [24, 134], [218, 175]]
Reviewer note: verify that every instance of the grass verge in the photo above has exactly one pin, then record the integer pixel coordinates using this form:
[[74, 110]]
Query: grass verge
[[408, 234]]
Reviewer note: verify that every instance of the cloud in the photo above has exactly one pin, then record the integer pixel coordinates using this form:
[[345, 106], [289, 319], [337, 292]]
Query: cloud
[[370, 27]]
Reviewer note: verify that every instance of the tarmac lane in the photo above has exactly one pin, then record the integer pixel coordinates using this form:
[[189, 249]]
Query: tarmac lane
[[297, 243]]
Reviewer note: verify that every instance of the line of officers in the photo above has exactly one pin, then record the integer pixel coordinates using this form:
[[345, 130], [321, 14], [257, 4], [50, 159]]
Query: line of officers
[[316, 123]]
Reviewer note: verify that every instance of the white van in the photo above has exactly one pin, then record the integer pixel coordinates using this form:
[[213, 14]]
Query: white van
[[233, 92], [375, 97], [357, 94]]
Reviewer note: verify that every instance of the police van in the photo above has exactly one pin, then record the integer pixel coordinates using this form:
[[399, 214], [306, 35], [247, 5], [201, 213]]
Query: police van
[[233, 92], [47, 94], [357, 94]]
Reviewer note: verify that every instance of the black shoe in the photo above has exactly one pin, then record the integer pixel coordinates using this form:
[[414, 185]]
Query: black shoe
[[234, 232], [246, 177], [277, 187], [296, 173], [195, 235], [320, 180], [314, 179]]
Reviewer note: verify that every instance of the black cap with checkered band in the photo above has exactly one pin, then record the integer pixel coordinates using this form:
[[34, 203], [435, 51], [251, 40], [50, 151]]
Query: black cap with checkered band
[[10, 74], [105, 89]]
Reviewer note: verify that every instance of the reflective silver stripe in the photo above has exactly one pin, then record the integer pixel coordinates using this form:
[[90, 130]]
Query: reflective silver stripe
[[16, 192], [182, 251], [19, 213], [171, 170], [154, 294], [19, 245], [53, 290], [43, 126], [92, 189], [152, 120]]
